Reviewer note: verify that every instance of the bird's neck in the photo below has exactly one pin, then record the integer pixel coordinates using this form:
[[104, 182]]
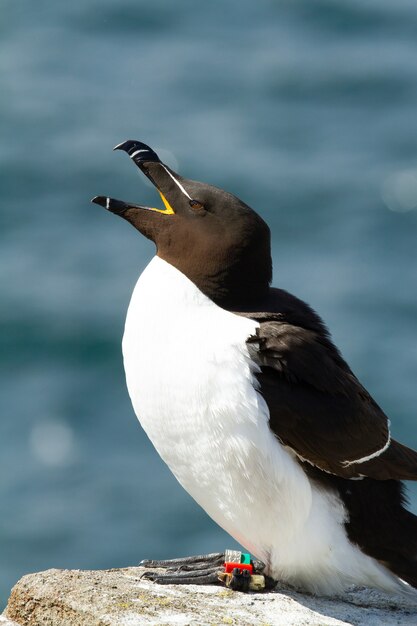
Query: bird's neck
[[230, 290]]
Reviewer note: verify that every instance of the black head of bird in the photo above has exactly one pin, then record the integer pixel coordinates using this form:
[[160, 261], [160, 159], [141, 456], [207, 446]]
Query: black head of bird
[[210, 235]]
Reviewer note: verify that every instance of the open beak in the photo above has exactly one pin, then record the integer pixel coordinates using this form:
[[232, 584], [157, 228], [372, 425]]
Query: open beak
[[142, 155]]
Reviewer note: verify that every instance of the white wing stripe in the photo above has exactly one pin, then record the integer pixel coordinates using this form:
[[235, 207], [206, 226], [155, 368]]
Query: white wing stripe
[[364, 459]]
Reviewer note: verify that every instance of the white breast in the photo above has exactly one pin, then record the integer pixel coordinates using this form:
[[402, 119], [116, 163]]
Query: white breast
[[192, 386]]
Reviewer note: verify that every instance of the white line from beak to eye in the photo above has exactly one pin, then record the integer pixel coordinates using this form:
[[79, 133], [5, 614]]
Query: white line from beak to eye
[[176, 182], [137, 152]]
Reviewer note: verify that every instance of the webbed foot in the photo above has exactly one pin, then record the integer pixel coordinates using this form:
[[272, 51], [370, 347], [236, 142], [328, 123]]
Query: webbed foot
[[231, 568]]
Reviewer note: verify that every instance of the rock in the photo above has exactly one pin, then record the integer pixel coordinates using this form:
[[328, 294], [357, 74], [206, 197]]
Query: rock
[[6, 622], [119, 597]]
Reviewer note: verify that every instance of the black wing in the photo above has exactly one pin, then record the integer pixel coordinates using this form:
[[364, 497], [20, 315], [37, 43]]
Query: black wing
[[317, 406]]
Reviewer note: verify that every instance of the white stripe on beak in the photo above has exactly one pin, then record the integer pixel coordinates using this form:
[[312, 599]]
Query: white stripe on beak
[[176, 182], [137, 152]]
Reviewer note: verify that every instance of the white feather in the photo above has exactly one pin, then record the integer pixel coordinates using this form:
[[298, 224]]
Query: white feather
[[192, 385]]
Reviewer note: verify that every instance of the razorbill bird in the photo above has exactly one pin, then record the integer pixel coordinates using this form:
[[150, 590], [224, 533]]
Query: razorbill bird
[[245, 397]]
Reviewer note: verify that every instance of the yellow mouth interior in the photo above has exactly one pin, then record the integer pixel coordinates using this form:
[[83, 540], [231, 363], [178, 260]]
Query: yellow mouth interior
[[168, 208]]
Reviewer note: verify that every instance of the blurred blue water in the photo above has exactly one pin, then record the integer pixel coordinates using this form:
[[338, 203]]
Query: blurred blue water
[[306, 110]]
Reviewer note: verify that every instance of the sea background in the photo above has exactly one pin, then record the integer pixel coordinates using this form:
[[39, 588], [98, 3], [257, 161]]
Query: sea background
[[305, 109]]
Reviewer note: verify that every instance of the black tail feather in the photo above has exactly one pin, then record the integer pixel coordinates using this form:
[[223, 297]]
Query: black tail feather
[[381, 525], [378, 521]]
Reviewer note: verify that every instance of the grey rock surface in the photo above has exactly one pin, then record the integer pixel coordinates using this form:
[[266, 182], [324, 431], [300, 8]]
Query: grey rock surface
[[120, 597]]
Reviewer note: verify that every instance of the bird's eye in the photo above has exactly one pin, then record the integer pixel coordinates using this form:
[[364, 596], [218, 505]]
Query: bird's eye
[[196, 205]]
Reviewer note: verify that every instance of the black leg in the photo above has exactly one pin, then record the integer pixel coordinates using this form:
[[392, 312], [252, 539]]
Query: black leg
[[199, 577], [208, 569], [188, 563]]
